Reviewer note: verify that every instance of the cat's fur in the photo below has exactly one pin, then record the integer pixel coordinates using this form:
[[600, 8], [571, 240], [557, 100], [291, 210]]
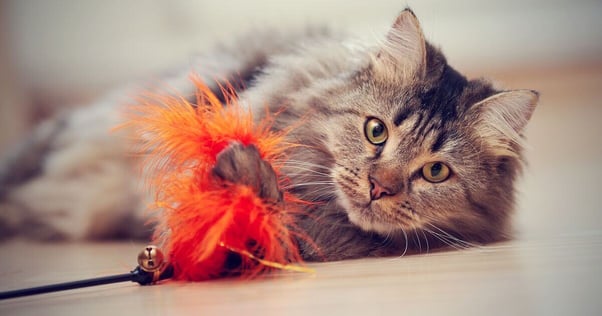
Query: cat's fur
[[371, 200]]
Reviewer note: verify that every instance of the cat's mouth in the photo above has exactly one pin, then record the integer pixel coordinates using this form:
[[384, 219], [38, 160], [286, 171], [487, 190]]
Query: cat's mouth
[[372, 216], [371, 220]]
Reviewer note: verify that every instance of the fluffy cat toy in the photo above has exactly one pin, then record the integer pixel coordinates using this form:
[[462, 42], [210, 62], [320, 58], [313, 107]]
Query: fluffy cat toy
[[209, 227]]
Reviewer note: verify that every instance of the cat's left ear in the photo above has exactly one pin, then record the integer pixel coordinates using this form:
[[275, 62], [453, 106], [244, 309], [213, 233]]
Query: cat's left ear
[[502, 118], [403, 54]]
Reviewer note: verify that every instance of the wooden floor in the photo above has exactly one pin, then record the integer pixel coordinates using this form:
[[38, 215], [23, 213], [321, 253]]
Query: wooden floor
[[554, 267]]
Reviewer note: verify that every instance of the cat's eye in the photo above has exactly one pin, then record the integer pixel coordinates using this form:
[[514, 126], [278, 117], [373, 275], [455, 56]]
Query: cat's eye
[[435, 172], [376, 131]]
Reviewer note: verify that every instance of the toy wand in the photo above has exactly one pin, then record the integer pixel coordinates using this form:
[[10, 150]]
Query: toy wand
[[151, 269]]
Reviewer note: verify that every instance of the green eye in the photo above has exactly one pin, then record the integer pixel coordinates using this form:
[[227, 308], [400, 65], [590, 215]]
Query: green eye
[[376, 131], [435, 172]]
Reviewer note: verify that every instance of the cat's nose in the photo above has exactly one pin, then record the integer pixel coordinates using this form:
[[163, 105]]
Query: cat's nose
[[377, 190]]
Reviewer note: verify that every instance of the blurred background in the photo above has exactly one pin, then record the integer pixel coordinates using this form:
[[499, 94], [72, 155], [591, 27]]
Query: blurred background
[[61, 54], [57, 54]]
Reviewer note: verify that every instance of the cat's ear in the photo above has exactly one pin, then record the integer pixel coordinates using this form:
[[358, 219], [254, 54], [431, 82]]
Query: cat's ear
[[502, 118], [403, 53]]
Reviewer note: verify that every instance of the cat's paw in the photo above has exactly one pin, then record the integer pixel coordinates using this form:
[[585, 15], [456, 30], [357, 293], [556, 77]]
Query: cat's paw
[[243, 165]]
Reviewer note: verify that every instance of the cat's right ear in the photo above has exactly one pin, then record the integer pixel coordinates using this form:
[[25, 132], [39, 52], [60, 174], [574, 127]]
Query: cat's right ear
[[403, 54], [500, 119]]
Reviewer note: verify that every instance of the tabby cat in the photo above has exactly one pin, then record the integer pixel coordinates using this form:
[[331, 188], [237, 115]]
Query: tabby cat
[[402, 153]]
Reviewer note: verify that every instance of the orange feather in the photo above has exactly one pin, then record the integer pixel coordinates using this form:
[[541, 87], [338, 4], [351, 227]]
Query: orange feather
[[202, 221]]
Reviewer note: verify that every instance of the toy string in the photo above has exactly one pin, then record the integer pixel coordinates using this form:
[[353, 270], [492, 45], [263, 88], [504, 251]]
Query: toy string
[[149, 271]]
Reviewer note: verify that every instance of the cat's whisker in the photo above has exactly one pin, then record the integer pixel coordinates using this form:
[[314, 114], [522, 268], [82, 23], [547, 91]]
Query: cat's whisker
[[313, 182], [304, 164], [418, 241], [298, 185], [306, 174], [317, 191], [405, 250], [460, 244], [389, 238], [305, 168], [405, 237], [466, 243], [318, 195], [300, 172], [386, 240], [444, 239], [426, 240], [322, 193], [446, 234], [448, 241]]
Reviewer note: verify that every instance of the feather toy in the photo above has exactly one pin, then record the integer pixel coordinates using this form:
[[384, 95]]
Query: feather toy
[[209, 228]]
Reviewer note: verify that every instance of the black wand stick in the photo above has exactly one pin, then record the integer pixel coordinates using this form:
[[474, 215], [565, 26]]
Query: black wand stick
[[151, 269]]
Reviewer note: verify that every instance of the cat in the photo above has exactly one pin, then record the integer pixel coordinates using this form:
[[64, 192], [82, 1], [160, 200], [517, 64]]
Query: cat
[[401, 153]]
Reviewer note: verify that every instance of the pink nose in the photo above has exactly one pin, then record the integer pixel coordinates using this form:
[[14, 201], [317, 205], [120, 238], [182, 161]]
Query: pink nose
[[377, 191]]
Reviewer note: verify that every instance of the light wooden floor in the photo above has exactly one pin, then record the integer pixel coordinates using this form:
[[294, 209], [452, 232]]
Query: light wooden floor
[[554, 267]]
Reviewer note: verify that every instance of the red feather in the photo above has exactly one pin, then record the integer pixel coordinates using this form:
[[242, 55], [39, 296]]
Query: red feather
[[203, 222]]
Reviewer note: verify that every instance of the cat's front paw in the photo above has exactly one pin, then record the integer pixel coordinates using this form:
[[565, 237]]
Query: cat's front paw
[[243, 165]]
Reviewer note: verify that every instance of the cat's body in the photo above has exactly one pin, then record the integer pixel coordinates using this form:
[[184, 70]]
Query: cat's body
[[399, 151]]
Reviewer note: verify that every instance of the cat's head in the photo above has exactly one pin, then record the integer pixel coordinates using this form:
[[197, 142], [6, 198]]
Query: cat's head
[[416, 145]]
